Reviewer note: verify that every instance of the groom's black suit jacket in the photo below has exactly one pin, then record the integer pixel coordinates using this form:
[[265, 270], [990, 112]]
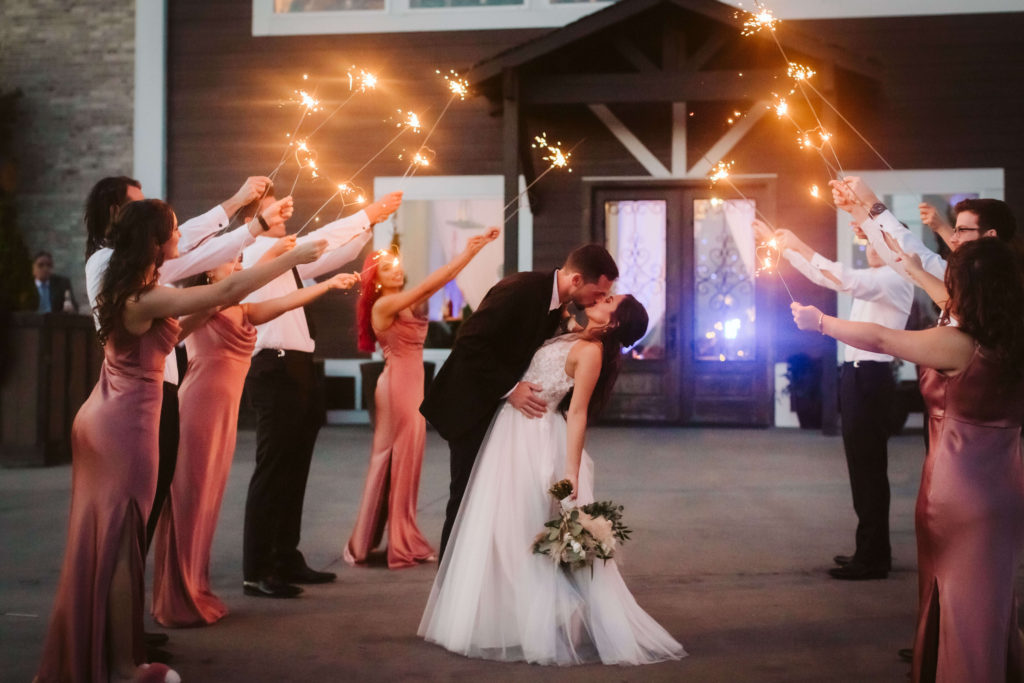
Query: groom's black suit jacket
[[492, 351]]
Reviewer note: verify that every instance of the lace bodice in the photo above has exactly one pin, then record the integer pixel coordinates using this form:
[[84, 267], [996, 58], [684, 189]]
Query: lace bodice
[[548, 369]]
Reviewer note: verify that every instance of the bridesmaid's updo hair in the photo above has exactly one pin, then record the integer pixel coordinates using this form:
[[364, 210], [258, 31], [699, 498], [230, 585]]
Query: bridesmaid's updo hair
[[136, 236], [627, 324], [368, 295], [986, 296]]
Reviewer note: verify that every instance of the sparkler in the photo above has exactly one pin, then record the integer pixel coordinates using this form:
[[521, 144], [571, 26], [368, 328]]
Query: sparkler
[[556, 158], [344, 190], [762, 19]]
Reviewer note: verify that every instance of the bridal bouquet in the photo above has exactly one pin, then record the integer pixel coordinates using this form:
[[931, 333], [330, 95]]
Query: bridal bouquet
[[581, 533]]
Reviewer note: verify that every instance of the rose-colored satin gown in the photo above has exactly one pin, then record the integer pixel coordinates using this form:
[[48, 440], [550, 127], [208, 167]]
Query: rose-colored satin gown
[[113, 481], [970, 526], [393, 481], [219, 353]]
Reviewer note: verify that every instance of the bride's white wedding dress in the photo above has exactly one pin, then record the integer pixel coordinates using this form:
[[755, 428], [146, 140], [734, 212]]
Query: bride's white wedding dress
[[496, 599]]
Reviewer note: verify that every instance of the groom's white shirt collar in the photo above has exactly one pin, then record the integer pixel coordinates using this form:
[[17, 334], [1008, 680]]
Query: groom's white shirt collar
[[555, 301]]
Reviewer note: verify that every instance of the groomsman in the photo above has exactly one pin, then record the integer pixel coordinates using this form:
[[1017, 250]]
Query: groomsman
[[280, 387], [492, 351], [866, 391]]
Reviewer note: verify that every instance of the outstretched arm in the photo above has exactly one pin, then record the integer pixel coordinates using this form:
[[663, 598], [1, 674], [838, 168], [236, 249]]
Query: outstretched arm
[[584, 366], [931, 217], [167, 302], [264, 311], [387, 307], [944, 348]]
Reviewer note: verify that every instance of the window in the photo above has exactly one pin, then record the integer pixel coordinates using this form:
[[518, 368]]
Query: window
[[308, 17]]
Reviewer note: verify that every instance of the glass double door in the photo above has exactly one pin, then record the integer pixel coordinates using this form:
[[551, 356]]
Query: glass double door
[[688, 254]]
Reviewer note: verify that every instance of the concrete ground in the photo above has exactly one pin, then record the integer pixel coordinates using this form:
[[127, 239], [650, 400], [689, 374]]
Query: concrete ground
[[733, 533]]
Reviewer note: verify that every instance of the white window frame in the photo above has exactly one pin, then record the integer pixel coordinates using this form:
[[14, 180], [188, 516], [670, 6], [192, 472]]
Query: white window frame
[[398, 17]]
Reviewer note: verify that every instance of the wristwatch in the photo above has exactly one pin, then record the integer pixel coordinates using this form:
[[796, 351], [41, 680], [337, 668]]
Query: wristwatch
[[266, 226], [877, 209]]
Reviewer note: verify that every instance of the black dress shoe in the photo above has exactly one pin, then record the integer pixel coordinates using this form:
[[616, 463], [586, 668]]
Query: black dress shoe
[[855, 571], [906, 654], [155, 639], [843, 560], [305, 574], [270, 587]]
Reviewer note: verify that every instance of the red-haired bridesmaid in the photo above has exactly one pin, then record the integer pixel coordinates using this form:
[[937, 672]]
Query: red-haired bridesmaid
[[385, 315]]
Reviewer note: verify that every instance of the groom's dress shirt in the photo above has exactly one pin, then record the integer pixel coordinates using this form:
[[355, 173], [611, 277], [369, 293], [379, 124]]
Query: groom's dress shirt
[[908, 241], [289, 332], [880, 295], [203, 256]]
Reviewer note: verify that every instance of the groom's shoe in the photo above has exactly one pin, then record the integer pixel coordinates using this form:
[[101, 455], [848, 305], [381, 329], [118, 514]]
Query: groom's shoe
[[307, 575], [270, 587], [843, 560], [856, 571]]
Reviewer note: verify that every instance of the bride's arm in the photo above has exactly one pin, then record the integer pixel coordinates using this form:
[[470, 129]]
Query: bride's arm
[[584, 366]]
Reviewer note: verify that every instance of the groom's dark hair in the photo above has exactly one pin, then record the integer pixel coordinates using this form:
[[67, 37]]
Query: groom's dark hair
[[592, 261]]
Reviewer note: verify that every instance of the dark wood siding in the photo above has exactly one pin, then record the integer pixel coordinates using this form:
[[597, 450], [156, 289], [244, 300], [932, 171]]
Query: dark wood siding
[[946, 95]]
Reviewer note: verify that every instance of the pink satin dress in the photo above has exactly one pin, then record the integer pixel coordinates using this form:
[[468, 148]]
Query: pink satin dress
[[219, 353], [393, 481], [113, 481], [970, 526]]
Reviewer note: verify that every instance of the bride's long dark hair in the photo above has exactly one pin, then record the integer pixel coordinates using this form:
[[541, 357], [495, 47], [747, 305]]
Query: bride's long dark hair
[[136, 237], [627, 324]]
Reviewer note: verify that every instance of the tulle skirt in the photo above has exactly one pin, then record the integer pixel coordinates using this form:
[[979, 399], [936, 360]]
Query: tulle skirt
[[494, 598]]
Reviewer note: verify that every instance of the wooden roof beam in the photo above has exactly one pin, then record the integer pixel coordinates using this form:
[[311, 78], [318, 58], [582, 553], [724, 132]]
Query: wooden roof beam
[[702, 86]]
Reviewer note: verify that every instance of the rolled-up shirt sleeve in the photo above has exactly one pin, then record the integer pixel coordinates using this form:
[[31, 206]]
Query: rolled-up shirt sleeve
[[210, 254]]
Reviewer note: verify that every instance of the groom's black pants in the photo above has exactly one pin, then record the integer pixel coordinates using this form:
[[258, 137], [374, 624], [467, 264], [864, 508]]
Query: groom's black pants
[[463, 454]]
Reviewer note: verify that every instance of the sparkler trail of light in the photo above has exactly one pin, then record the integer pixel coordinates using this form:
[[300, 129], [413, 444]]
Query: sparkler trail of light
[[378, 256], [309, 104], [552, 154], [343, 189], [762, 19], [722, 171]]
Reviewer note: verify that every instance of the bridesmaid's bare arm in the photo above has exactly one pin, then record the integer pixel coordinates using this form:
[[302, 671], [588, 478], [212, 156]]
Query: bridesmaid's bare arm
[[191, 323], [265, 311], [168, 302], [944, 348], [387, 307]]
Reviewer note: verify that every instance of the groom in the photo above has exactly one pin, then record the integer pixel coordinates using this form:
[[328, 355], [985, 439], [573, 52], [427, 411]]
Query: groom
[[493, 350]]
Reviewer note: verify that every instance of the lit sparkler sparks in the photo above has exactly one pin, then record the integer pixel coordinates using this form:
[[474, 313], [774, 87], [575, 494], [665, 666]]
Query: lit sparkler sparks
[[781, 107], [799, 72], [409, 121], [308, 101], [553, 153], [421, 158], [815, 192], [720, 171], [762, 18], [361, 80], [459, 87]]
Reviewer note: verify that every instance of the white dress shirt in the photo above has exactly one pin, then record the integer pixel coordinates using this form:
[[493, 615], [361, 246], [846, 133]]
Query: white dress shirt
[[909, 242], [288, 331], [880, 295], [209, 254]]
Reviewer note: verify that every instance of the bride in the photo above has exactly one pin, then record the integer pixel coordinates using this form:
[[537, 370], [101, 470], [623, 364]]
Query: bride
[[492, 597]]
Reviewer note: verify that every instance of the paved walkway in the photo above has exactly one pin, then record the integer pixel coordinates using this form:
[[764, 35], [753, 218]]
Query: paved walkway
[[733, 533]]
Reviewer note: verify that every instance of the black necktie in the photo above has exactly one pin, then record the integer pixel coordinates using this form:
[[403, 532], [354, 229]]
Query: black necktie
[[305, 312]]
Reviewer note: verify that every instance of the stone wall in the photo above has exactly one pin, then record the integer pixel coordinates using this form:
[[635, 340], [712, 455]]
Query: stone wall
[[74, 63]]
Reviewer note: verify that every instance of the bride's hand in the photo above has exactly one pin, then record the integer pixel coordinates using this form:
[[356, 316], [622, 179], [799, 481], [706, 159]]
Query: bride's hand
[[524, 399], [571, 498]]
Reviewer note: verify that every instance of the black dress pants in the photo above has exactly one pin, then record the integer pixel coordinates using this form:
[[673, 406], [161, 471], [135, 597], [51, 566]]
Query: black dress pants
[[169, 436], [463, 454], [866, 395], [282, 389]]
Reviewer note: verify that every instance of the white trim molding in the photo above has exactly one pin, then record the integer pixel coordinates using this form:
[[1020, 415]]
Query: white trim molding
[[398, 16], [149, 125]]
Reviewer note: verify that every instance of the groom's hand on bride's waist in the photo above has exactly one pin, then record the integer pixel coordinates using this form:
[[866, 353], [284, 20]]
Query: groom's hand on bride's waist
[[524, 399]]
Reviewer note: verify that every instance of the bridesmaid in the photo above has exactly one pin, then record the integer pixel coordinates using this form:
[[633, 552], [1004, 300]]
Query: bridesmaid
[[219, 353], [95, 632], [385, 314], [970, 507]]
